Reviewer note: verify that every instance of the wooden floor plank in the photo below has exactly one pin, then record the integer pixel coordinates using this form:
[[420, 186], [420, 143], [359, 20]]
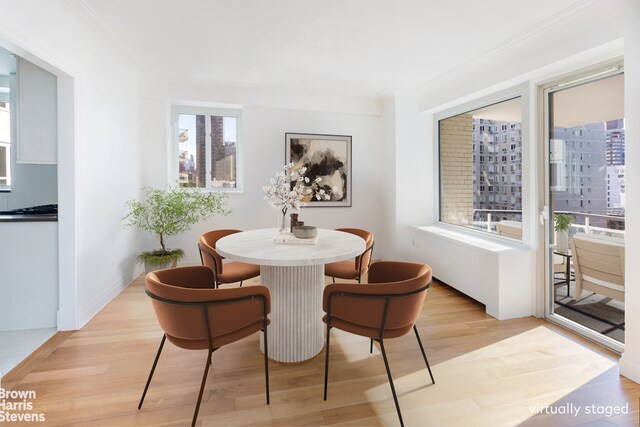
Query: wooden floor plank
[[487, 372]]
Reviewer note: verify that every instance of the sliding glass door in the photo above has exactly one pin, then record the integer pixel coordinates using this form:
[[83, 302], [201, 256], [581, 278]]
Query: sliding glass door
[[586, 204]]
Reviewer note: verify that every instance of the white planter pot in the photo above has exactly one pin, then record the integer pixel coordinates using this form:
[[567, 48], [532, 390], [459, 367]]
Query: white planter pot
[[562, 241], [148, 267]]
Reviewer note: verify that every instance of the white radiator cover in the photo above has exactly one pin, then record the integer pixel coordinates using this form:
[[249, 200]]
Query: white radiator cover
[[499, 275]]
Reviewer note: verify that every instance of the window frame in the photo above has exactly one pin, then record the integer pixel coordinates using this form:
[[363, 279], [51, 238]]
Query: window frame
[[173, 164], [472, 103], [9, 147]]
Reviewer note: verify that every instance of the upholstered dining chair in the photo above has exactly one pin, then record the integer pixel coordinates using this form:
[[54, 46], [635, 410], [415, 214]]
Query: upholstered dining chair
[[352, 269], [386, 307], [195, 317], [224, 272]]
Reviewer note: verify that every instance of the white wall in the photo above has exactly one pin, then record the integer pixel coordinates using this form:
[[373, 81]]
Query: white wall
[[415, 173], [99, 151], [263, 146], [559, 48], [386, 238]]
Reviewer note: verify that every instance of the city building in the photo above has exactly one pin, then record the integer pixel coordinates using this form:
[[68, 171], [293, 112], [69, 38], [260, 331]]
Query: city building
[[497, 169]]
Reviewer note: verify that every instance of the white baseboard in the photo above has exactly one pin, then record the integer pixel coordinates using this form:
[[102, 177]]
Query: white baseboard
[[630, 367], [100, 300]]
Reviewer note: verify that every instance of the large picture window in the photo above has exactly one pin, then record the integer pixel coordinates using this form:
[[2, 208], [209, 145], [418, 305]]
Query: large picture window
[[208, 148], [481, 168]]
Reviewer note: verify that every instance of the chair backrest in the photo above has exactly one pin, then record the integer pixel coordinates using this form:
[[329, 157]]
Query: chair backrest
[[364, 260], [183, 300], [599, 263], [391, 300], [207, 246], [511, 229]]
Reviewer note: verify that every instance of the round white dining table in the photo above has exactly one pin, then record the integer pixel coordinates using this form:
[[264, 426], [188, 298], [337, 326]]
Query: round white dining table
[[294, 273]]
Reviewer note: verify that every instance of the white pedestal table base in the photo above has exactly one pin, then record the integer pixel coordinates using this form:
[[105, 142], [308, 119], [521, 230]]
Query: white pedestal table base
[[296, 332]]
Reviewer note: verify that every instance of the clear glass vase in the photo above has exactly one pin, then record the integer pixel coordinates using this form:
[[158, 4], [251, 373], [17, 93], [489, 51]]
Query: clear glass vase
[[283, 223]]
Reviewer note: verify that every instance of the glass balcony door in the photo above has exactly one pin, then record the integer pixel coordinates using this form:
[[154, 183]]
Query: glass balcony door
[[586, 201]]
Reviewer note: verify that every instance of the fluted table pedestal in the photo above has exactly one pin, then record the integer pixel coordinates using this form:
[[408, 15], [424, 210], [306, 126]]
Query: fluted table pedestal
[[294, 274], [295, 334]]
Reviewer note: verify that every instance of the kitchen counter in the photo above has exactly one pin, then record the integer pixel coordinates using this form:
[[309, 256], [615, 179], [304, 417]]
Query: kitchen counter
[[28, 218]]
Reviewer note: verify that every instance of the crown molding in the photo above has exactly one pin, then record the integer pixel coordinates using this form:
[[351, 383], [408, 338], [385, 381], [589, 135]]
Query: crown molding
[[509, 42], [92, 18]]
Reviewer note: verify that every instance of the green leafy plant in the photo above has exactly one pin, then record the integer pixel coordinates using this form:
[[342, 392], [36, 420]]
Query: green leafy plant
[[562, 222], [169, 212]]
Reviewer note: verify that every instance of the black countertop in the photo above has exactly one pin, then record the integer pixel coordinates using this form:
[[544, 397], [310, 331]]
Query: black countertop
[[28, 218]]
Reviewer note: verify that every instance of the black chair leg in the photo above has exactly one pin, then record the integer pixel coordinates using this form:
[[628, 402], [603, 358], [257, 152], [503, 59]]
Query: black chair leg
[[393, 389], [424, 355], [266, 362], [240, 283], [153, 368], [371, 347], [334, 279], [204, 381], [326, 362]]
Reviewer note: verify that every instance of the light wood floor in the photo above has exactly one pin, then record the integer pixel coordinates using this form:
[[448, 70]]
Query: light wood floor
[[488, 373]]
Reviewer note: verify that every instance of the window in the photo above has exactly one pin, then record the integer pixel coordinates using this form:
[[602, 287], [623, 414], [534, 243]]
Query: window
[[465, 199], [5, 145], [208, 148]]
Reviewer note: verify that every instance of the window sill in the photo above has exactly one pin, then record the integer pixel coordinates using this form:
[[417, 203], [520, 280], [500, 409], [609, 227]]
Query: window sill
[[476, 239]]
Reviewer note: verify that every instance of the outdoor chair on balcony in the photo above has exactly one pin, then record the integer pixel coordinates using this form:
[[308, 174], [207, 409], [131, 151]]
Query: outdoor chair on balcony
[[512, 229], [598, 262]]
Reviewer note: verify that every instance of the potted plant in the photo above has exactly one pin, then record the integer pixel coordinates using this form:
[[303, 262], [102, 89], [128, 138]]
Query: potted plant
[[562, 223], [169, 212]]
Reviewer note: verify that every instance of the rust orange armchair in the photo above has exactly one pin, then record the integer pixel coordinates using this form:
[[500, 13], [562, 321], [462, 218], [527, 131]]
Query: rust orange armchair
[[195, 317], [224, 273], [386, 307], [352, 269]]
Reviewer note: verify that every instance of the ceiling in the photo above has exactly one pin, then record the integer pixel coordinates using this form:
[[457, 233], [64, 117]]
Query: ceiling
[[353, 47]]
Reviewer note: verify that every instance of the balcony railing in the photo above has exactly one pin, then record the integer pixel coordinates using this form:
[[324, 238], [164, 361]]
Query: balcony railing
[[611, 225], [593, 223]]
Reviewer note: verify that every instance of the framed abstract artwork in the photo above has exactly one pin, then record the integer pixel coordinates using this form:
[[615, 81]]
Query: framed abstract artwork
[[327, 157]]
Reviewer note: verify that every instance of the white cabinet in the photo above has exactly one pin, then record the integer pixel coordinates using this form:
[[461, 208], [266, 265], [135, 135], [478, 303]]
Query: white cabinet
[[29, 275], [37, 115]]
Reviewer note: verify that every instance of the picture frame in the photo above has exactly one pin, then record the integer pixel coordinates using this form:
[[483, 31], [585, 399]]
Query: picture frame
[[327, 157]]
